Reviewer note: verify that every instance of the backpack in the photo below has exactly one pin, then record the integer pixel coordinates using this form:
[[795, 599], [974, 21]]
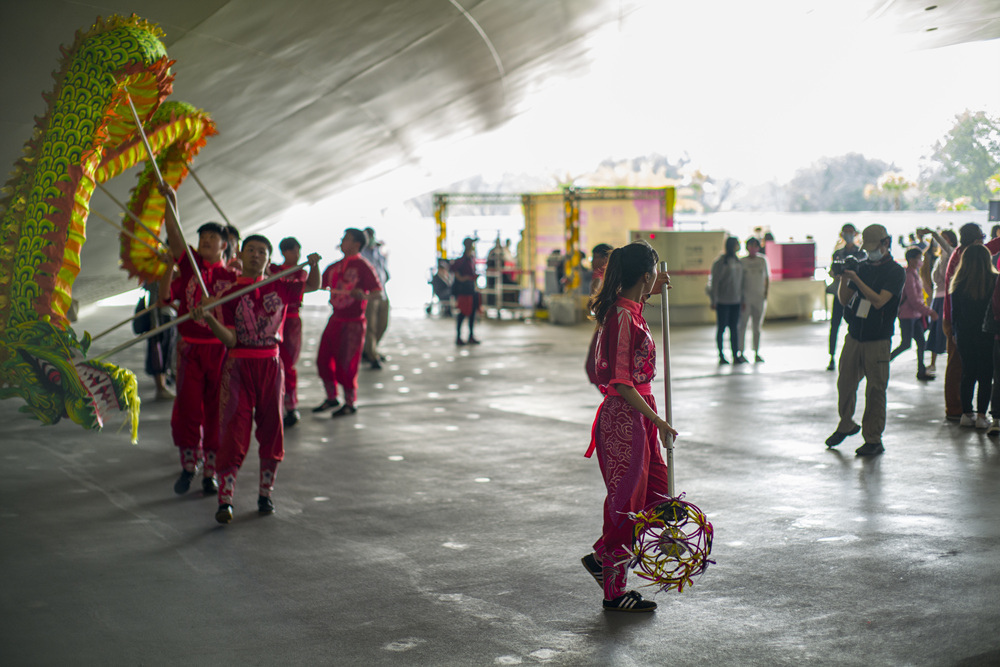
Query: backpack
[[144, 322]]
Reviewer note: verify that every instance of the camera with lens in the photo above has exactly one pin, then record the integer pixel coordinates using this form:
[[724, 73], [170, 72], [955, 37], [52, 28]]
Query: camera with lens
[[849, 263]]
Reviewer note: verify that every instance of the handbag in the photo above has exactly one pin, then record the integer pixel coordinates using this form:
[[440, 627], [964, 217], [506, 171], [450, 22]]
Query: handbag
[[144, 322]]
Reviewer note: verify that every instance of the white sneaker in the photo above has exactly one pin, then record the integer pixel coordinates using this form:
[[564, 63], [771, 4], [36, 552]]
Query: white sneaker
[[994, 428], [968, 419], [982, 422]]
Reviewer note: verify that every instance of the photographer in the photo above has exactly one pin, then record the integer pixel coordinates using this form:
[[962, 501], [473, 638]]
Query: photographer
[[870, 297]]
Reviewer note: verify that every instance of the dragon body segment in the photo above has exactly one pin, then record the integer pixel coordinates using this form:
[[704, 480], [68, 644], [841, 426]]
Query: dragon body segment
[[176, 132], [87, 135]]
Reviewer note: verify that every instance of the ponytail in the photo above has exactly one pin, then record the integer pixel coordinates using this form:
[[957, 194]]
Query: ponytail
[[626, 266]]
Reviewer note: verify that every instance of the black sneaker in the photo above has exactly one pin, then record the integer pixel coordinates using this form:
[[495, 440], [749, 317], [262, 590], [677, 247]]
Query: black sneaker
[[326, 405], [183, 482], [459, 341], [209, 486], [291, 418], [839, 436], [723, 361], [758, 359], [376, 365], [832, 366], [869, 449], [595, 569], [473, 341], [265, 505], [630, 601], [224, 514], [344, 411], [740, 359]]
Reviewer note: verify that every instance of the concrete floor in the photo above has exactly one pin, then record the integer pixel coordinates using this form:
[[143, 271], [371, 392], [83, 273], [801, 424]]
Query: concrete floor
[[443, 524]]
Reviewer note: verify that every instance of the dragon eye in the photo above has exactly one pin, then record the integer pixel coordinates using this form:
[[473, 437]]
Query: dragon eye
[[55, 377]]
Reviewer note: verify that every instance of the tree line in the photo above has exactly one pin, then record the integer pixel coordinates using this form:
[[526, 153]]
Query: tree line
[[961, 172]]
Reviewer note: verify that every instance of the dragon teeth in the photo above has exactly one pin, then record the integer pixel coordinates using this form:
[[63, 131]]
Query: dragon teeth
[[99, 385]]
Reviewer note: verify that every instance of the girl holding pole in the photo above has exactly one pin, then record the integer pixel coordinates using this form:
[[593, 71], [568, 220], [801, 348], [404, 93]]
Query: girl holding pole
[[627, 426]]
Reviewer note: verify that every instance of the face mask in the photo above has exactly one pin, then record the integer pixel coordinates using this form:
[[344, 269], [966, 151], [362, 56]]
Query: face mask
[[875, 255]]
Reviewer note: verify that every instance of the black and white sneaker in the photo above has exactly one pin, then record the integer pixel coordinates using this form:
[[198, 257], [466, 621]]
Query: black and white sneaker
[[291, 418], [630, 601], [595, 569], [224, 513], [345, 411], [209, 486], [326, 405], [265, 505], [183, 482]]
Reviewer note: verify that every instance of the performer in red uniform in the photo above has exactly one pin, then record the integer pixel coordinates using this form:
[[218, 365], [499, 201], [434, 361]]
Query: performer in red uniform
[[232, 254], [464, 289], [627, 426], [252, 378], [598, 263], [291, 339], [352, 282], [194, 423]]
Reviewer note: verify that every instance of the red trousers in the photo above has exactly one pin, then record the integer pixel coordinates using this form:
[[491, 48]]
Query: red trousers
[[194, 422], [288, 350], [339, 356], [628, 450], [953, 380], [252, 391]]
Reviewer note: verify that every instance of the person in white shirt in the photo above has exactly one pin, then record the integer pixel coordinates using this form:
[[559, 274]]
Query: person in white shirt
[[756, 281], [377, 310]]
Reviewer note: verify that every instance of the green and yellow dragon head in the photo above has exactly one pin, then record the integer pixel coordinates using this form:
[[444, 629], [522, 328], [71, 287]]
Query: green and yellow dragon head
[[47, 367]]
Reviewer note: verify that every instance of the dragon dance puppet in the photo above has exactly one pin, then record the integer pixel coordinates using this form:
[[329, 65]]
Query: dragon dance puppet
[[88, 135]]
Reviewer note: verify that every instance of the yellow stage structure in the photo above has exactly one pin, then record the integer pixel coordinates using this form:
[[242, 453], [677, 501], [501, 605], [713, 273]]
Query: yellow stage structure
[[571, 221]]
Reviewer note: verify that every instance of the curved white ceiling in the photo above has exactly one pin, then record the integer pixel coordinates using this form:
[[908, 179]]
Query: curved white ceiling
[[315, 96]]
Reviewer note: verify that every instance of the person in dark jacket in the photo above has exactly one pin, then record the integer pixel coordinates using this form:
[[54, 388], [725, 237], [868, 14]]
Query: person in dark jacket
[[971, 292]]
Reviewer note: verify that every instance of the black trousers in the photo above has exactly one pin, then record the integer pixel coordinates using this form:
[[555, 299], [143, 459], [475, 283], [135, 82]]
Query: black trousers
[[976, 350], [728, 317]]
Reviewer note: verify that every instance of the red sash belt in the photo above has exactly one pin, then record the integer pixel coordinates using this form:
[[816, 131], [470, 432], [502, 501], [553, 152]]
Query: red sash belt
[[253, 352], [643, 389], [609, 390]]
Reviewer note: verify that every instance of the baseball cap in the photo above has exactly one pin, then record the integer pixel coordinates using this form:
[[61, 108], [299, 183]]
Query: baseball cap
[[872, 237]]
